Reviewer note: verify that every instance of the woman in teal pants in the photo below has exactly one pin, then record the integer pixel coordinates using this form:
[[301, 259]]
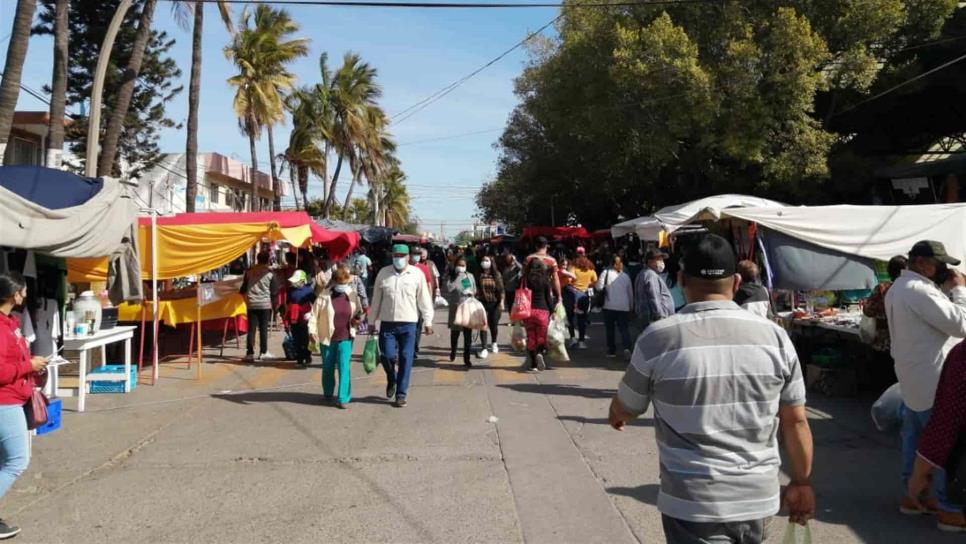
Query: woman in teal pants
[[333, 322]]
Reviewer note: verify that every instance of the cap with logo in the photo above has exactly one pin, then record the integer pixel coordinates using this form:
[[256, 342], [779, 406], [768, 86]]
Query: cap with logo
[[709, 258], [400, 249], [936, 250], [299, 276]]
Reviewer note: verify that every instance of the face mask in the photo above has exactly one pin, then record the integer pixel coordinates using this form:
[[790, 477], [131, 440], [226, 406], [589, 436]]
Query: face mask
[[460, 269], [486, 265], [341, 288], [399, 262], [660, 267], [417, 258]]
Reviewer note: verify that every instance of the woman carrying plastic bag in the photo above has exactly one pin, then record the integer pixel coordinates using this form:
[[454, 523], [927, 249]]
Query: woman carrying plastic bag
[[460, 288], [538, 281]]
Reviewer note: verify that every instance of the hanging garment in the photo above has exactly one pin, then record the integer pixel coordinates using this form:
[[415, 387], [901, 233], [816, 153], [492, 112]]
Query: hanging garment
[[46, 328]]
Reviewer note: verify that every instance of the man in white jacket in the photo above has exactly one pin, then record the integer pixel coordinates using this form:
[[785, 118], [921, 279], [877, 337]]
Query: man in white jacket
[[400, 298], [923, 325]]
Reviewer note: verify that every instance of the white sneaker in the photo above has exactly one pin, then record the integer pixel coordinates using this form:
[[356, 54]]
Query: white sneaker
[[266, 356], [495, 348], [484, 354], [541, 364], [627, 354], [572, 343], [582, 345], [249, 358]]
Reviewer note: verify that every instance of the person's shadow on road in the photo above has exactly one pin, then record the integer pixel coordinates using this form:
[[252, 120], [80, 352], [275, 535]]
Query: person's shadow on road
[[646, 493]]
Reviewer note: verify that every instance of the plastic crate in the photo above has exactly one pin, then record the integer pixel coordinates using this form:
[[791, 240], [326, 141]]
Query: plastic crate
[[53, 418], [97, 386]]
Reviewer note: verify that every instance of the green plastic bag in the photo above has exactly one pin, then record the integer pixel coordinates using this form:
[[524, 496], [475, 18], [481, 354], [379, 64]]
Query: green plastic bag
[[370, 354], [791, 534]]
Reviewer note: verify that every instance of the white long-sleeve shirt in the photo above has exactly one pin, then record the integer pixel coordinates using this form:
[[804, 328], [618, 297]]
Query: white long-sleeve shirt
[[620, 292], [924, 325], [401, 297]]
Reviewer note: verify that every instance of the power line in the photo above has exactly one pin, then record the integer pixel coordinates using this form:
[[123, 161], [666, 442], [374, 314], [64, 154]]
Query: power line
[[449, 137], [426, 102], [903, 84], [460, 5]]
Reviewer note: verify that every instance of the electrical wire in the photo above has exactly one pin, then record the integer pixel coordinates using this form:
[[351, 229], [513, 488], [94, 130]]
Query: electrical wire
[[460, 5], [449, 137], [429, 100]]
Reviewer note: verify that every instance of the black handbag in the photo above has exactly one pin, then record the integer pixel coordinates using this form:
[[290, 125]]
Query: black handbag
[[956, 472], [600, 296]]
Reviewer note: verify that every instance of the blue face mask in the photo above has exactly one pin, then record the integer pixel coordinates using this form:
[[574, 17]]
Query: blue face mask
[[417, 258], [399, 262], [341, 288]]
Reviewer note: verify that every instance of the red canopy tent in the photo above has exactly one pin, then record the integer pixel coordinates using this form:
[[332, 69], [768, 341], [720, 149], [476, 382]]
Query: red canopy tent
[[556, 233]]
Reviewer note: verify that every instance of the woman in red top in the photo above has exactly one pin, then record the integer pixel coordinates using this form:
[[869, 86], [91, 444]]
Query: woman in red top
[[17, 370]]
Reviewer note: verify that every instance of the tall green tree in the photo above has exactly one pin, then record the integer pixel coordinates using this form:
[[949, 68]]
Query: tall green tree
[[195, 11], [643, 106], [155, 86], [393, 200], [13, 68], [261, 50]]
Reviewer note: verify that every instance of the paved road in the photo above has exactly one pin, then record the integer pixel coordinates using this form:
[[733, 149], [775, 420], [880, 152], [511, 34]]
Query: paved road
[[248, 454]]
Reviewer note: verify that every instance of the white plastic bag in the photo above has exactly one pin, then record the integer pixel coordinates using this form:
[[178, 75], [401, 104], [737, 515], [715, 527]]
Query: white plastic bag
[[556, 340], [868, 329], [519, 337], [441, 302], [791, 534], [471, 314], [888, 411]]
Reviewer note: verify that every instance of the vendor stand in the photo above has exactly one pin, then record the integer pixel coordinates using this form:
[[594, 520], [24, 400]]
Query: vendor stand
[[192, 244]]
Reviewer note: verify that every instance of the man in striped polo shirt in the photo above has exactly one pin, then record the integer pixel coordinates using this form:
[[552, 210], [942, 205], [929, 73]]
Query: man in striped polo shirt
[[723, 382]]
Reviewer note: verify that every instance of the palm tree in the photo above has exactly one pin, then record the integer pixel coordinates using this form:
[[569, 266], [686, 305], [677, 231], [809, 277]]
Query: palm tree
[[13, 68], [372, 156], [306, 152], [115, 125], [353, 91], [182, 10], [260, 51], [394, 199], [58, 86]]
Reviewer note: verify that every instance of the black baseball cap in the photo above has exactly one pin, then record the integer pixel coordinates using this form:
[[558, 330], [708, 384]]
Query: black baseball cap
[[936, 250], [654, 254], [709, 257]]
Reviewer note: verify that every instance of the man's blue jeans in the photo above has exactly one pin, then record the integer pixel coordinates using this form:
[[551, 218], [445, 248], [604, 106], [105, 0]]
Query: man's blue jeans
[[14, 445], [913, 423], [396, 342]]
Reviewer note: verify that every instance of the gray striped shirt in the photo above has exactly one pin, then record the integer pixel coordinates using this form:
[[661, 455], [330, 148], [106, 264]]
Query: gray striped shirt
[[716, 375]]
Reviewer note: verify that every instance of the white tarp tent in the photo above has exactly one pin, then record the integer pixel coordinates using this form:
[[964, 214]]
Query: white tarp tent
[[875, 232], [672, 218]]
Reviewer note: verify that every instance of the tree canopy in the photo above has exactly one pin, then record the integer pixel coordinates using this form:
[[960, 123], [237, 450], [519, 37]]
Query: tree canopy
[[634, 108]]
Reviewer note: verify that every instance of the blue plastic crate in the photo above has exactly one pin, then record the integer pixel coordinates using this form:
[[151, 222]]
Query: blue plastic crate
[[53, 418], [97, 386]]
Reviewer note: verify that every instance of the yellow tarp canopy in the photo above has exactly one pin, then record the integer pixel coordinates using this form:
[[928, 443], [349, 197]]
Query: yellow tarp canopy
[[185, 250]]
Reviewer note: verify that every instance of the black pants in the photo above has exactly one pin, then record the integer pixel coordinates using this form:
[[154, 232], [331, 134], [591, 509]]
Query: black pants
[[258, 319], [492, 322], [454, 338], [300, 334]]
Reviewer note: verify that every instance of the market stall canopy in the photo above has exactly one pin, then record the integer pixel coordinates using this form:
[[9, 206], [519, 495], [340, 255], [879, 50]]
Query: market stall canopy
[[62, 214], [370, 233], [193, 243], [556, 233], [647, 228], [409, 239], [874, 232], [708, 209]]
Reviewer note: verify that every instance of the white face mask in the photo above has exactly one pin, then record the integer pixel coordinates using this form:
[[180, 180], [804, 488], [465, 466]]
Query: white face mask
[[660, 266], [341, 288], [400, 262], [486, 265], [416, 258], [460, 269]]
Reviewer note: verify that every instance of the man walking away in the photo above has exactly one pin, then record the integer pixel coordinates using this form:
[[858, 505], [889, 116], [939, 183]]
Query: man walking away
[[401, 297], [721, 381], [752, 295], [260, 288], [923, 324], [652, 298]]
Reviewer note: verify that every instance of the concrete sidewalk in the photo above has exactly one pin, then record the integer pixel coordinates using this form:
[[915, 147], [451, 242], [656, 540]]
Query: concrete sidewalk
[[249, 454]]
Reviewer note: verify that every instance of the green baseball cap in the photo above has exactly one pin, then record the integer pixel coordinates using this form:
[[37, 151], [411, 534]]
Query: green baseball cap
[[936, 250], [400, 249]]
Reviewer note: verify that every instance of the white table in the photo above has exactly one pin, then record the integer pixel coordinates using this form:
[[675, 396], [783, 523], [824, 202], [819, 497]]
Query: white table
[[100, 339]]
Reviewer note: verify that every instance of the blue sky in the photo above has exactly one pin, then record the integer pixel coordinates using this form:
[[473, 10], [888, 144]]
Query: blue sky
[[416, 52]]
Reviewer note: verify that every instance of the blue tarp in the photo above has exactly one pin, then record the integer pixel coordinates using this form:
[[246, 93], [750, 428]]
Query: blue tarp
[[47, 187]]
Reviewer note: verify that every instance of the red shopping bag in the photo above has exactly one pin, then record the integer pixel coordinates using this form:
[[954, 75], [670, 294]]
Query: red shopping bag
[[522, 303]]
